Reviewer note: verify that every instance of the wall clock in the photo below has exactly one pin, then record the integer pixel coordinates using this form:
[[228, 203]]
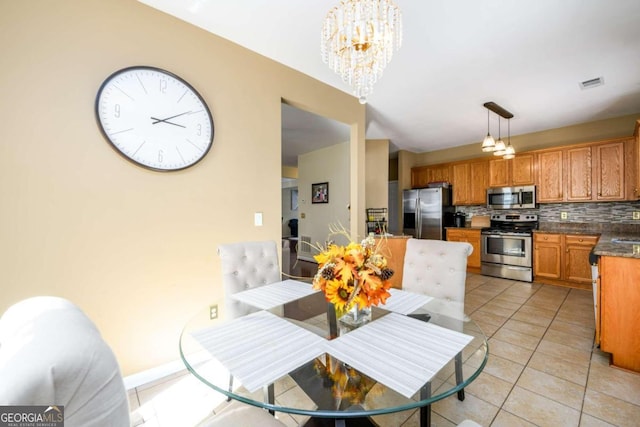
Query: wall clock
[[154, 118]]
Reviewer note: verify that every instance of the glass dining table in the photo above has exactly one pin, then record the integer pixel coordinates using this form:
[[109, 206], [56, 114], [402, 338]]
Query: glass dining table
[[411, 354]]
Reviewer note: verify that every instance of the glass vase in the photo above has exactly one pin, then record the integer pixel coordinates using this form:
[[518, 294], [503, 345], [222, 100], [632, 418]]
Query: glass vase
[[353, 319]]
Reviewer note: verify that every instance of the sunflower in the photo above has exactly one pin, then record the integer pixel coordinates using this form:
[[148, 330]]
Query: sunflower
[[355, 274]]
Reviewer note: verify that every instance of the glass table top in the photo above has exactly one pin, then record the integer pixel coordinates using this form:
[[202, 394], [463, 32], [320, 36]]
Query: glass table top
[[321, 385]]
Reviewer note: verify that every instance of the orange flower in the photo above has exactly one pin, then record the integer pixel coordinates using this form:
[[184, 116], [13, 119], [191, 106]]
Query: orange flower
[[353, 274]]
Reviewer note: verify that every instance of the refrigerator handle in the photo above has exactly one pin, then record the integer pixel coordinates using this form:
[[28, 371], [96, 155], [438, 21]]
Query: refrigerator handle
[[418, 220]]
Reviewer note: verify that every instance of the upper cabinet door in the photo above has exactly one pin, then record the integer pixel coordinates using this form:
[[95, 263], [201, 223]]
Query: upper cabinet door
[[578, 174], [516, 171], [479, 181], [461, 183], [499, 173], [522, 169], [550, 177], [609, 172]]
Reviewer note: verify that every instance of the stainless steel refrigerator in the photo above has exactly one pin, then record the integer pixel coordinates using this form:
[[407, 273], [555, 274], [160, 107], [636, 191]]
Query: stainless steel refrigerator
[[426, 211]]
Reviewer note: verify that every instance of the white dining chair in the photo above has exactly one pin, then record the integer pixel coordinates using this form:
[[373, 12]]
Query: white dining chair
[[247, 265], [439, 269], [51, 353]]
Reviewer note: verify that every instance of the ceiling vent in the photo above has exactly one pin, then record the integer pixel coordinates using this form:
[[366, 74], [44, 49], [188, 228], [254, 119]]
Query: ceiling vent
[[588, 84]]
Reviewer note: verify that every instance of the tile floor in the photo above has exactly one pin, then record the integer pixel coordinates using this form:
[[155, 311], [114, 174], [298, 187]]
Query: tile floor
[[541, 371]]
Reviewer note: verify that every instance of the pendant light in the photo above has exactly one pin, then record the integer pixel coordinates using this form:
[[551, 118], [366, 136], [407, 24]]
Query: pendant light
[[509, 152], [489, 143], [500, 148]]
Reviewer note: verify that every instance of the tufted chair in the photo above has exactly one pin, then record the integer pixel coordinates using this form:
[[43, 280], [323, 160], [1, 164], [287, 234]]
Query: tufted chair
[[439, 269], [51, 353], [247, 265]]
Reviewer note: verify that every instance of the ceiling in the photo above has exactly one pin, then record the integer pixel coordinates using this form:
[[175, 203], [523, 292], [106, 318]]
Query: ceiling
[[528, 57]]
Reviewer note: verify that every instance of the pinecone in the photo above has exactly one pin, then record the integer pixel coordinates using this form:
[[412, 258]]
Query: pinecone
[[327, 272], [386, 273]]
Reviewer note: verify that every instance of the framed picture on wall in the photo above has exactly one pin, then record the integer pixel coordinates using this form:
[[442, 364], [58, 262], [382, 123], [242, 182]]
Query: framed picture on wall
[[294, 199], [320, 192]]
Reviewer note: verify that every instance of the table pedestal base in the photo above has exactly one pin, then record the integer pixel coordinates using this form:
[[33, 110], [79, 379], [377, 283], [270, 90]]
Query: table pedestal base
[[330, 422]]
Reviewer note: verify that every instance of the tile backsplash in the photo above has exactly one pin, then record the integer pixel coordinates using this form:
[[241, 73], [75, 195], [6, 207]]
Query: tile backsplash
[[607, 213]]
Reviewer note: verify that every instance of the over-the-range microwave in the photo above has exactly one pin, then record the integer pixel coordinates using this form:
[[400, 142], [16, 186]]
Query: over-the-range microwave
[[523, 197]]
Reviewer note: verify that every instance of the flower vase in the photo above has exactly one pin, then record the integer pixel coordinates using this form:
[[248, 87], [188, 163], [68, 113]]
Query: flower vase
[[354, 318]]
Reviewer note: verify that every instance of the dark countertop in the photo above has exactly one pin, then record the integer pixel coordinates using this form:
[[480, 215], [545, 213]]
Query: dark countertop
[[606, 247], [607, 232]]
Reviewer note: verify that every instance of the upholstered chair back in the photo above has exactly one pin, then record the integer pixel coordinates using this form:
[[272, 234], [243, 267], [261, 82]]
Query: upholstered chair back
[[247, 265], [51, 353], [439, 269]]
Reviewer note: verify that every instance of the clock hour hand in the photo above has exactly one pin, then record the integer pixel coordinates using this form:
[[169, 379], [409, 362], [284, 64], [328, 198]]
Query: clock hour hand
[[169, 118], [165, 121]]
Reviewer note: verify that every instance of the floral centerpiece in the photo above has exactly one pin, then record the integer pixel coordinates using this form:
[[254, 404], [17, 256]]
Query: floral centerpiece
[[354, 276]]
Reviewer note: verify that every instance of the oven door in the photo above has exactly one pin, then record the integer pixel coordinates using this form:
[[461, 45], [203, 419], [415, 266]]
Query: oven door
[[507, 248]]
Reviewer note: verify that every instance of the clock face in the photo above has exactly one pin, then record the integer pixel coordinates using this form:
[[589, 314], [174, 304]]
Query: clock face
[[154, 118]]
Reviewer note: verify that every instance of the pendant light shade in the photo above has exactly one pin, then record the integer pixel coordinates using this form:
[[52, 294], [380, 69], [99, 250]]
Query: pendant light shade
[[489, 143], [509, 152]]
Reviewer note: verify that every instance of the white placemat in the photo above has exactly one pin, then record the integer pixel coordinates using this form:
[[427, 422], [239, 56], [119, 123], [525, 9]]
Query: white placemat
[[260, 348], [275, 294], [404, 302], [398, 351]]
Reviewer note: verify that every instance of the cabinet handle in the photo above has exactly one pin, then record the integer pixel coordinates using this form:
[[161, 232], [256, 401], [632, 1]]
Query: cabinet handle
[[580, 240]]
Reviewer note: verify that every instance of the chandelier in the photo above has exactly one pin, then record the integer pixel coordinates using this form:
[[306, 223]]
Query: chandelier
[[498, 147], [358, 41]]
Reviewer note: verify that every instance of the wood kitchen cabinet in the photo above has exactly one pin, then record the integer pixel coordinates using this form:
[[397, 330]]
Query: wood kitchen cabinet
[[421, 176], [619, 314], [516, 171], [609, 172], [469, 181], [577, 268], [550, 176], [595, 172], [547, 252], [471, 236], [579, 171], [563, 258]]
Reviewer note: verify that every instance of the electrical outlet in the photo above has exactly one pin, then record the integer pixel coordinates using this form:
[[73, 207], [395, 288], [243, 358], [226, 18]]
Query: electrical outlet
[[636, 215], [213, 311], [564, 215]]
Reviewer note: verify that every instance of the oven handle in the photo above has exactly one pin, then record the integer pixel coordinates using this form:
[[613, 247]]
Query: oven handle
[[506, 234], [520, 199], [513, 267]]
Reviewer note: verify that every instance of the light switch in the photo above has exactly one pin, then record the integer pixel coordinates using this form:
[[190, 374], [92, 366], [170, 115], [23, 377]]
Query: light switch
[[257, 219]]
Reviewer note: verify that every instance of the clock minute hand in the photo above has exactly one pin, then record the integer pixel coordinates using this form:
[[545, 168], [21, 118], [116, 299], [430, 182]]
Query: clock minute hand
[[165, 121], [169, 118]]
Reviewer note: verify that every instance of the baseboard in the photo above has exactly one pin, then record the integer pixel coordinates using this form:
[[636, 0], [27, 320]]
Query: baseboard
[[153, 374]]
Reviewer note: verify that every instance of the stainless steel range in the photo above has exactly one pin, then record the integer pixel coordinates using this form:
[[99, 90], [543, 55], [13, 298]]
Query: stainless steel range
[[507, 246]]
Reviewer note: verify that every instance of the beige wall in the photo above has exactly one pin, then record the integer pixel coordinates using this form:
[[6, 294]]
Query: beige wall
[[329, 164], [136, 249], [377, 173]]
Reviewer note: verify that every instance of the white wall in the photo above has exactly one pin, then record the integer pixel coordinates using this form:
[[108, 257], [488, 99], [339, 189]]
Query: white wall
[[330, 165]]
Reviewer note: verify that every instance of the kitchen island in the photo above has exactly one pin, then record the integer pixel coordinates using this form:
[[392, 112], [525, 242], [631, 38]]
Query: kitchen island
[[618, 298]]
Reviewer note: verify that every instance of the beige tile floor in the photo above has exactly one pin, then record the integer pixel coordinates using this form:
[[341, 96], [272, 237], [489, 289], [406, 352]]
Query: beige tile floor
[[541, 371]]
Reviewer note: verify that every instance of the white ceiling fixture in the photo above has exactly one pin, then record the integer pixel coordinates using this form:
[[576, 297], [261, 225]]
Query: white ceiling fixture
[[358, 40]]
